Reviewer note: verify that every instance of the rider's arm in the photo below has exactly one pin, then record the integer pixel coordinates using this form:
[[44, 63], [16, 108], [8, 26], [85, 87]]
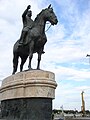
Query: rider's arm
[[25, 12]]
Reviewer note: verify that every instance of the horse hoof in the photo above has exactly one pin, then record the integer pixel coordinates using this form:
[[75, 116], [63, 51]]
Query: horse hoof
[[13, 73], [38, 68], [30, 69]]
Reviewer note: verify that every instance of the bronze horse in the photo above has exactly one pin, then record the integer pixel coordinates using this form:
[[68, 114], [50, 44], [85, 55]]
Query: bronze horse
[[35, 40]]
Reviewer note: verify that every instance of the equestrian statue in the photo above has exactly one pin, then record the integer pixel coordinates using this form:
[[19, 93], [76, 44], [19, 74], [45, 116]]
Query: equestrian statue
[[33, 37]]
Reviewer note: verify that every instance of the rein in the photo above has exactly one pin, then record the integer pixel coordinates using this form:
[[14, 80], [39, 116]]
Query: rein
[[48, 28]]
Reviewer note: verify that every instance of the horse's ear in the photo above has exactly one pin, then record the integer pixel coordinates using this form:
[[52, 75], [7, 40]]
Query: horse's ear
[[49, 6]]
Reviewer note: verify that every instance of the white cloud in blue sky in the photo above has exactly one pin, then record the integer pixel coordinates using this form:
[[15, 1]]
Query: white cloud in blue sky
[[66, 48]]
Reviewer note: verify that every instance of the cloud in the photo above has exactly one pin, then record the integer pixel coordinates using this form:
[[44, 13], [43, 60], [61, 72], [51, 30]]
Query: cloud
[[70, 96]]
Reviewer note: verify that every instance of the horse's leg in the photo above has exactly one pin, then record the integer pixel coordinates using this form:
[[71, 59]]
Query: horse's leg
[[23, 60], [31, 47], [30, 59], [15, 62], [39, 59]]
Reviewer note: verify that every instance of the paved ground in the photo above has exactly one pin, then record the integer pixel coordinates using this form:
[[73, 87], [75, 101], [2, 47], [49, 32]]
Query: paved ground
[[81, 118], [70, 118]]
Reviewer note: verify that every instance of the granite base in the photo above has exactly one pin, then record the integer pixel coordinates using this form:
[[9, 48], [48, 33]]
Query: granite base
[[27, 109]]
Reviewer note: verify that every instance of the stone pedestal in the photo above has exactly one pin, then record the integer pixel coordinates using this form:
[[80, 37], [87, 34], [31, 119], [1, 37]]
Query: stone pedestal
[[28, 95]]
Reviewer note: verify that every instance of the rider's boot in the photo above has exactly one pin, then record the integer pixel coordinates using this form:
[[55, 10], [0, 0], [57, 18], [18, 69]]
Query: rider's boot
[[22, 39]]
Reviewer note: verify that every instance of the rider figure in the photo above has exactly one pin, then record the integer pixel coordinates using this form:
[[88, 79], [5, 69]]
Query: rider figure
[[27, 24]]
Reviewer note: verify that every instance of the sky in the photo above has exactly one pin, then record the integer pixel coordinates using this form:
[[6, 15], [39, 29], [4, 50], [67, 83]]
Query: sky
[[67, 45]]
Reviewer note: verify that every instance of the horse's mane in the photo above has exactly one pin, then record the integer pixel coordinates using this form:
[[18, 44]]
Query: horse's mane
[[41, 12], [38, 15]]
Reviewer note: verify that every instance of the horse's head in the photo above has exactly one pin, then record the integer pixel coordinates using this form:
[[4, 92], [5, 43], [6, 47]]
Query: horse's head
[[50, 16]]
